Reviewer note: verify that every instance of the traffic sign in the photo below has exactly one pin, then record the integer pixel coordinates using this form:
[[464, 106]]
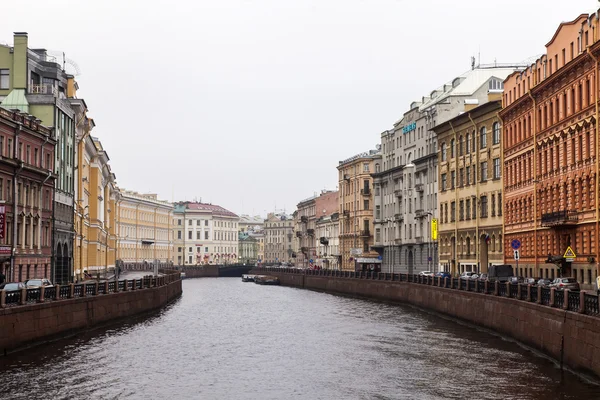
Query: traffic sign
[[434, 228], [517, 255], [569, 253], [515, 244]]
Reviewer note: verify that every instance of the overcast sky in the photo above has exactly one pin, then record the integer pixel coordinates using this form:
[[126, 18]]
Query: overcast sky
[[250, 104]]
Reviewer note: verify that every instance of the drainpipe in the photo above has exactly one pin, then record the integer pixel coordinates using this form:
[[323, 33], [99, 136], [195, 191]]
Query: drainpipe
[[455, 202], [589, 53], [477, 146]]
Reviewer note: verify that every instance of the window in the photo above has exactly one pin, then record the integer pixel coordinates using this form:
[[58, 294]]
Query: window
[[484, 207], [4, 79], [206, 223], [366, 167], [461, 210], [483, 138], [189, 222], [461, 177], [493, 205], [452, 179], [178, 234], [496, 168], [499, 204], [468, 144], [468, 176], [496, 133], [377, 212], [460, 146], [206, 249], [443, 151], [443, 181], [484, 167], [179, 249], [468, 209], [453, 211], [189, 259], [206, 235], [198, 222], [452, 145], [198, 235], [179, 222]]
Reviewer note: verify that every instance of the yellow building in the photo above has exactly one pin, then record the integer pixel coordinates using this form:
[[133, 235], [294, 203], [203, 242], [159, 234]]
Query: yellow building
[[95, 195], [356, 212], [145, 229]]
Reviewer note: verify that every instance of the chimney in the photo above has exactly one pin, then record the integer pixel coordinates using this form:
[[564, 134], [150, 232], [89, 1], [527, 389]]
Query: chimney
[[19, 70], [72, 87]]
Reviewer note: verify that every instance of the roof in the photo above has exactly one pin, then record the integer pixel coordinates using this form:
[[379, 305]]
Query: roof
[[212, 208], [16, 99]]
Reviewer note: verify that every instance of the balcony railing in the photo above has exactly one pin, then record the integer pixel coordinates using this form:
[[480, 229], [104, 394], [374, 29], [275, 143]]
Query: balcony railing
[[421, 213], [43, 88], [365, 192], [323, 240], [304, 219], [419, 187], [560, 218], [399, 217], [419, 239], [311, 232], [398, 192], [299, 234], [347, 213], [365, 233]]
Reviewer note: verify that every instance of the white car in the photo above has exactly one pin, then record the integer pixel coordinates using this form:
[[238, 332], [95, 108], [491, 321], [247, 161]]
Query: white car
[[467, 275], [426, 273]]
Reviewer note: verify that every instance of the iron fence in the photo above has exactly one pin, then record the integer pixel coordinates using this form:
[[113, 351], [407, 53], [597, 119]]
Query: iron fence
[[514, 290], [534, 294], [33, 295], [573, 301], [591, 304], [559, 299], [545, 296], [502, 289]]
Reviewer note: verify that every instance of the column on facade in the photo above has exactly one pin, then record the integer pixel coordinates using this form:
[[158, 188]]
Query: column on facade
[[23, 219], [31, 228]]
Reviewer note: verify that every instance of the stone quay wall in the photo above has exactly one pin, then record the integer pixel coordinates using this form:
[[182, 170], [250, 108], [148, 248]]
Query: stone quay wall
[[563, 325], [36, 317]]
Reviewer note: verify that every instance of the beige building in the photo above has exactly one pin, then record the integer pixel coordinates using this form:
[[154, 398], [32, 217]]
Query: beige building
[[248, 223], [470, 189], [356, 212], [279, 231], [305, 226], [205, 234], [145, 229], [328, 241]]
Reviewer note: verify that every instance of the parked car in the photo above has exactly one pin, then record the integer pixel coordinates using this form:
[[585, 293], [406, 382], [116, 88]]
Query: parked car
[[483, 277], [565, 283], [426, 273], [34, 283], [467, 275], [474, 277], [544, 282], [516, 279], [530, 281], [12, 286], [443, 274], [499, 273]]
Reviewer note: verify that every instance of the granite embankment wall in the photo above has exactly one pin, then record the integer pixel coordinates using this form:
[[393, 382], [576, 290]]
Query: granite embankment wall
[[86, 306], [572, 338]]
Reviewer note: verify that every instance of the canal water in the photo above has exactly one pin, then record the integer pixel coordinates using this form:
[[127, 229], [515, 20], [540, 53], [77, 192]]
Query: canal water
[[225, 339]]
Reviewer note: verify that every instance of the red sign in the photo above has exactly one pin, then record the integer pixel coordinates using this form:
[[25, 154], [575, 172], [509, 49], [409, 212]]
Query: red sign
[[2, 222]]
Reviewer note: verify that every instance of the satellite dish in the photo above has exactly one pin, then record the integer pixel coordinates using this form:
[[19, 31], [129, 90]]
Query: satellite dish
[[69, 66]]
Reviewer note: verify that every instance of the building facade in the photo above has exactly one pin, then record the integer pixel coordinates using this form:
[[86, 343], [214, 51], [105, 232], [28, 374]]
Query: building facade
[[406, 187], [248, 223], [551, 166], [205, 234], [36, 83], [356, 212], [248, 249], [470, 189], [279, 231], [145, 229], [26, 196], [306, 232], [328, 241]]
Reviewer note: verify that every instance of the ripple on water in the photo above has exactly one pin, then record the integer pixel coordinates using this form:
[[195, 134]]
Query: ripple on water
[[225, 339]]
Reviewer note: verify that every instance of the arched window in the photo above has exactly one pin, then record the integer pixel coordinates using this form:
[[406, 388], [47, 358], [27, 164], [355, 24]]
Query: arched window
[[496, 131], [468, 246], [493, 243], [452, 145], [482, 138], [444, 151]]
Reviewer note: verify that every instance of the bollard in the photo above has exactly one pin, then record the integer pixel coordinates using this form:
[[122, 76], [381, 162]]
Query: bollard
[[566, 298], [539, 297], [496, 288], [552, 294], [133, 284], [451, 283], [106, 290], [485, 286], [507, 289], [42, 294], [71, 290], [84, 290], [518, 291], [528, 292], [2, 298], [96, 284], [57, 293], [582, 302]]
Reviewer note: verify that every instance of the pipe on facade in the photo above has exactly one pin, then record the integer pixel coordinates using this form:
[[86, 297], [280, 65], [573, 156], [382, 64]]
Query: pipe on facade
[[476, 176], [589, 53], [455, 203]]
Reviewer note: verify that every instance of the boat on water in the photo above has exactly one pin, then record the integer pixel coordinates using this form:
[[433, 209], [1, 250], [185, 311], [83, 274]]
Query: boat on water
[[248, 278], [266, 280]]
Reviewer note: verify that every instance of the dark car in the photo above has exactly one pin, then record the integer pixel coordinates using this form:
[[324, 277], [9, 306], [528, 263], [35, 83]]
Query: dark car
[[500, 273], [12, 286], [443, 274]]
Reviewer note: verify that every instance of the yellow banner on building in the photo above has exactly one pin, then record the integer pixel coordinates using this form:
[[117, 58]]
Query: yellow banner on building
[[434, 228]]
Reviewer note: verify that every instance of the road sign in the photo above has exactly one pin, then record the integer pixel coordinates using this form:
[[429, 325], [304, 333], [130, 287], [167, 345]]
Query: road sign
[[517, 255], [429, 258], [569, 253], [434, 228], [515, 244]]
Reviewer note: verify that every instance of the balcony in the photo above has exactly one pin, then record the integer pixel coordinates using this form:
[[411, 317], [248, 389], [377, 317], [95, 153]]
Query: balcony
[[347, 213], [365, 192], [147, 241], [398, 192], [398, 241], [323, 240], [299, 234], [311, 232], [399, 217], [304, 219], [421, 213], [419, 239], [419, 187], [560, 218], [43, 88], [365, 233]]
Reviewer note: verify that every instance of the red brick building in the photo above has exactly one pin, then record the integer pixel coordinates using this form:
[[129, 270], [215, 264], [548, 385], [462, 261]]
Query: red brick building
[[550, 150], [26, 189]]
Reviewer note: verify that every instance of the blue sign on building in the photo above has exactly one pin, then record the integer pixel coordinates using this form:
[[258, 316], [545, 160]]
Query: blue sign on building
[[409, 128]]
